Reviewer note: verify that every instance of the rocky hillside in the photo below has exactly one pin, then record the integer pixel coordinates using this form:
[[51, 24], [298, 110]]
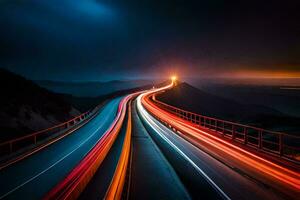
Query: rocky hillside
[[25, 107]]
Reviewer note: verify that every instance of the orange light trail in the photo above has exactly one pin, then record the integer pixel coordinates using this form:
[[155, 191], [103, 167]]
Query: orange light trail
[[160, 132], [78, 178], [251, 160], [117, 183]]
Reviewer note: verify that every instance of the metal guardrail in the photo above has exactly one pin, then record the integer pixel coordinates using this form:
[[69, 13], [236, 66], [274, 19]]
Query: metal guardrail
[[271, 142], [14, 145]]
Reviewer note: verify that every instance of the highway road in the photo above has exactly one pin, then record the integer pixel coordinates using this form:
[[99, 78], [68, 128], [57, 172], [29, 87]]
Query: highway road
[[99, 184], [34, 176], [217, 178], [151, 175], [229, 176], [196, 182], [155, 155]]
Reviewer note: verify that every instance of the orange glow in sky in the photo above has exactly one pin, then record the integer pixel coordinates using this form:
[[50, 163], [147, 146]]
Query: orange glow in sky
[[263, 74]]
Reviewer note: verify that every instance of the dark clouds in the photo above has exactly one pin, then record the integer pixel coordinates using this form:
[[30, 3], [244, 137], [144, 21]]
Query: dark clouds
[[89, 39]]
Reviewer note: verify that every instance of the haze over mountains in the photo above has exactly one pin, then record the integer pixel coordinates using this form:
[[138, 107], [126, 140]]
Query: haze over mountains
[[93, 88], [26, 106], [193, 99], [280, 94], [280, 98]]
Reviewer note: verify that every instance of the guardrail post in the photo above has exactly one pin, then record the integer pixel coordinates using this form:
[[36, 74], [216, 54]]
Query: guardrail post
[[245, 135], [34, 139], [216, 125], [260, 139], [281, 144], [223, 128], [10, 147]]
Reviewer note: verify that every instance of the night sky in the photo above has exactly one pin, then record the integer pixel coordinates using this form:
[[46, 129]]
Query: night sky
[[134, 39]]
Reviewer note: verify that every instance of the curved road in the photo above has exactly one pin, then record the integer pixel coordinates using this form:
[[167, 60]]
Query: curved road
[[215, 179], [34, 176], [228, 183], [165, 163], [151, 175]]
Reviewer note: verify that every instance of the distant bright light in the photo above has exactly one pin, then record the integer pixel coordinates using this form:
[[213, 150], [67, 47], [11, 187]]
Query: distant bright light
[[173, 78]]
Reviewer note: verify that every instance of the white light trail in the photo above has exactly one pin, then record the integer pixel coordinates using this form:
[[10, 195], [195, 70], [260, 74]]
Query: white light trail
[[147, 117]]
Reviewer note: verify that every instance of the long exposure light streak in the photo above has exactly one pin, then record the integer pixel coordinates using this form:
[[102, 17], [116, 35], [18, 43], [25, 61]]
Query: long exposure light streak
[[117, 183], [283, 174], [78, 178], [52, 165], [250, 160], [146, 116]]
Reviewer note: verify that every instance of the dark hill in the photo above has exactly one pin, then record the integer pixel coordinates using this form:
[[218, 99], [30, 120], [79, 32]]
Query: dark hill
[[26, 107], [190, 98]]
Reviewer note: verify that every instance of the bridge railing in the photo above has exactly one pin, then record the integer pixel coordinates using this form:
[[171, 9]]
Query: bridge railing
[[14, 145], [270, 142]]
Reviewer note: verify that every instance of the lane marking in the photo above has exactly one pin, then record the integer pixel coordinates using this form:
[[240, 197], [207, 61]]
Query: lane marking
[[58, 161], [147, 118]]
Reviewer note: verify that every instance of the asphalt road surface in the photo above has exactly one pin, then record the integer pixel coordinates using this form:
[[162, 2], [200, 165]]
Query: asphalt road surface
[[34, 176]]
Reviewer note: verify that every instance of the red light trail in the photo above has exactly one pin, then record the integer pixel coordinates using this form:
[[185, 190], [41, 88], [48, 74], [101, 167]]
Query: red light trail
[[258, 167]]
